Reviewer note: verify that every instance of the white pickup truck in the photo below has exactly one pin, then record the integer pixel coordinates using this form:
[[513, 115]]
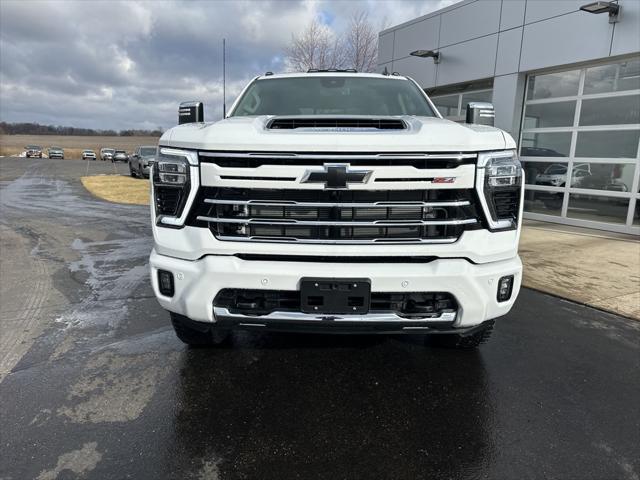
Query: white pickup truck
[[336, 202]]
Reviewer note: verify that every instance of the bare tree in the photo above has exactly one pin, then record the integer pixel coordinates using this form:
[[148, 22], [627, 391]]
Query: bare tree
[[361, 43], [318, 46]]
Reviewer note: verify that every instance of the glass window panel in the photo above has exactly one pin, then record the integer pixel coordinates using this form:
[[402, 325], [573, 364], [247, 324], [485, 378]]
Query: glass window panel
[[615, 177], [559, 84], [636, 213], [608, 144], [544, 115], [597, 208], [615, 77], [556, 144], [548, 203], [447, 106], [467, 98], [610, 111], [545, 173]]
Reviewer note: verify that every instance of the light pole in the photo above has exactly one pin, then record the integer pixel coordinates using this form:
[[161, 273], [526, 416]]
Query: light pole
[[224, 77]]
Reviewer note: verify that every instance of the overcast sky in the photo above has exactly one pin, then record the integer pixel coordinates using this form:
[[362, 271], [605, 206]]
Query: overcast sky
[[119, 65]]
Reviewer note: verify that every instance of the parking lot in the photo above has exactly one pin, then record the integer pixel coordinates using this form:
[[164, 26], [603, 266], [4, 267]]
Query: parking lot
[[94, 383]]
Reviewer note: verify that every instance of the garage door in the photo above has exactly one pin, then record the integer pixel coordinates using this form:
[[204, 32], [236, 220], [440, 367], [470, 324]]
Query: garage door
[[580, 146]]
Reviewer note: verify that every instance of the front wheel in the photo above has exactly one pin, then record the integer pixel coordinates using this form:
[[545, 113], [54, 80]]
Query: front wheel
[[197, 334], [461, 342]]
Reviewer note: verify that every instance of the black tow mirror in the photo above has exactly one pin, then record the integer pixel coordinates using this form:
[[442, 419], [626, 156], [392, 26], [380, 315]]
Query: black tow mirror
[[190, 112], [481, 113]]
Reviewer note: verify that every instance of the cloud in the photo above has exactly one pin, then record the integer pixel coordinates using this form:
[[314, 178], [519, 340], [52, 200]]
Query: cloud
[[128, 64]]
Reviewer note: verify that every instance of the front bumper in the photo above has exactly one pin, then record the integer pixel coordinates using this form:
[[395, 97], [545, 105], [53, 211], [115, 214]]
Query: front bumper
[[473, 285]]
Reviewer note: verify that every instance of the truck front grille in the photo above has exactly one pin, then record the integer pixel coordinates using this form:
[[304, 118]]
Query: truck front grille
[[336, 216]]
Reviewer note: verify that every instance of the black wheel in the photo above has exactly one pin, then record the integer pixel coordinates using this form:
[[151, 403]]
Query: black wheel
[[197, 334], [461, 342]]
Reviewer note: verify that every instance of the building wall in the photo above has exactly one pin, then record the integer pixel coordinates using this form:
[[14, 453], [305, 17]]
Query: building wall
[[583, 126], [480, 39]]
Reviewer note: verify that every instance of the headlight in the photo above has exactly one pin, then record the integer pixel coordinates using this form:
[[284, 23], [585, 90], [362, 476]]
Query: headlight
[[499, 181], [175, 181]]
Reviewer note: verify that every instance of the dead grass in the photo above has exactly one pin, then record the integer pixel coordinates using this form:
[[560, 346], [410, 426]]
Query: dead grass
[[73, 145], [118, 188], [595, 270]]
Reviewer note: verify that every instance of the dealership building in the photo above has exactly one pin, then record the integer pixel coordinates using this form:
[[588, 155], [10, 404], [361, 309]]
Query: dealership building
[[564, 77]]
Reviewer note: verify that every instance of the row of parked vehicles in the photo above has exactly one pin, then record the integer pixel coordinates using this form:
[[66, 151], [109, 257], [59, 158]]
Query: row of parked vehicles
[[34, 151], [140, 160]]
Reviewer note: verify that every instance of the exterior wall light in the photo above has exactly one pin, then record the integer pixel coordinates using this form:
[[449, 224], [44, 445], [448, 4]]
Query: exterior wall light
[[612, 8], [427, 54]]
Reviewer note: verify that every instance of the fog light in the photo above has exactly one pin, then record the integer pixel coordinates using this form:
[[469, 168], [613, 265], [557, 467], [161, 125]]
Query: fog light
[[505, 287], [165, 283]]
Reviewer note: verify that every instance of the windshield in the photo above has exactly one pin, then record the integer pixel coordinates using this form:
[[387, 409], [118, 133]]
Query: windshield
[[333, 95], [108, 150], [556, 170], [120, 151], [33, 147], [147, 151]]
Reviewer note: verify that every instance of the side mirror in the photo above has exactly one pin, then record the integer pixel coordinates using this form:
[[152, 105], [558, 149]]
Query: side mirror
[[481, 113], [190, 112]]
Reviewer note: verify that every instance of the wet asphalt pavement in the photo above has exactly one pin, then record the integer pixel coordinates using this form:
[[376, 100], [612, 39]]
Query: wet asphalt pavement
[[95, 384]]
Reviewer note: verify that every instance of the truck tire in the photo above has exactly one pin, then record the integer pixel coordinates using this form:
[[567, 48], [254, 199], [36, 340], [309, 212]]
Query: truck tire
[[461, 342], [197, 334]]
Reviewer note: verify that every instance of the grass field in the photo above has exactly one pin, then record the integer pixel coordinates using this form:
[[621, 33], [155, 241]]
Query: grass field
[[118, 188], [73, 145]]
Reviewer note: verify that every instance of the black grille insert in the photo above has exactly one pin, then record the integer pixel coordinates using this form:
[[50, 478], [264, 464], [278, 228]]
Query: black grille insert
[[167, 200], [263, 302], [507, 203], [336, 216]]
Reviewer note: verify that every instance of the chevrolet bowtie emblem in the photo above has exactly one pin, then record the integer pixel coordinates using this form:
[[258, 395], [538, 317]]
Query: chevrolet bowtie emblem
[[336, 176]]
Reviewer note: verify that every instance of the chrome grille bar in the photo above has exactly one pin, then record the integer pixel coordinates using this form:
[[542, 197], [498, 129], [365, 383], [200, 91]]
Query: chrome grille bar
[[338, 223], [342, 157], [292, 203], [331, 241]]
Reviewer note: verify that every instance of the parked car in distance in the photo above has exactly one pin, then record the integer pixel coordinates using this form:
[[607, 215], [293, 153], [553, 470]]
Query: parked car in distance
[[33, 151], [120, 156], [141, 160], [556, 175], [106, 154], [55, 152], [88, 155]]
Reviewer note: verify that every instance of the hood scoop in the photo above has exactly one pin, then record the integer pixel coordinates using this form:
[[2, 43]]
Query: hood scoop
[[336, 123]]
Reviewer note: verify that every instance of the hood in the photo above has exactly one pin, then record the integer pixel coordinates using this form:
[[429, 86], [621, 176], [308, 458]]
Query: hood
[[421, 134]]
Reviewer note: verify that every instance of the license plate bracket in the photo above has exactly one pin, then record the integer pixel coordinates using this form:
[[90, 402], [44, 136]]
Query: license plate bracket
[[335, 295]]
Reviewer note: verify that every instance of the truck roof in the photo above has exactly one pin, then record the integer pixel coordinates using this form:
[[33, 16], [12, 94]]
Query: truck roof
[[323, 73]]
